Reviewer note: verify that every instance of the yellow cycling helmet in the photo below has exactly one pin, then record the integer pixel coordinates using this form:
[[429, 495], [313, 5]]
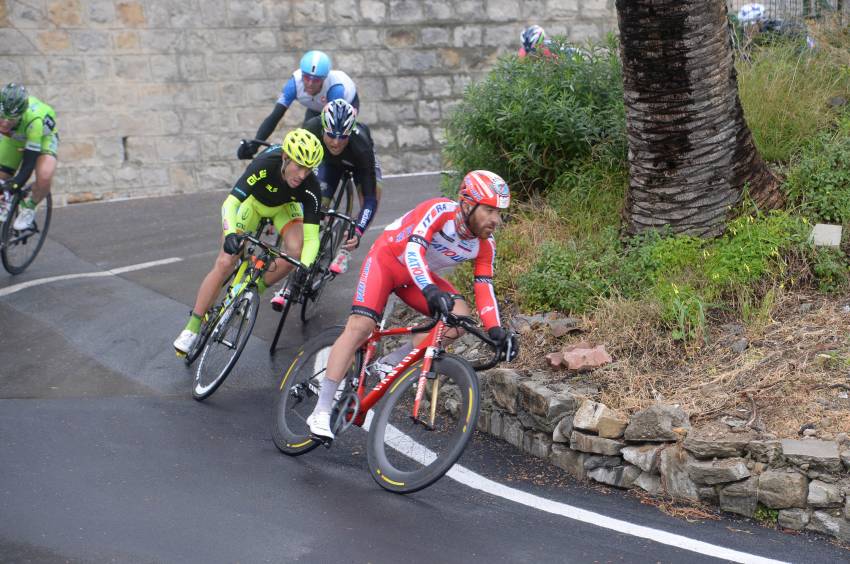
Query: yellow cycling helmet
[[303, 147]]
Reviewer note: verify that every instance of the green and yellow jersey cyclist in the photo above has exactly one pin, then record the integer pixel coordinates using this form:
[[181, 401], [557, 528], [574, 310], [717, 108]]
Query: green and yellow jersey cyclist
[[28, 142], [280, 185]]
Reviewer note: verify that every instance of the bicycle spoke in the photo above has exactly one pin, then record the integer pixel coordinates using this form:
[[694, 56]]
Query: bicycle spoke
[[226, 343]]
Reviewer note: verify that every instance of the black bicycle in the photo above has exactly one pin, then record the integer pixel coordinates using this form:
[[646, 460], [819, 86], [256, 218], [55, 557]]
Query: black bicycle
[[305, 286], [18, 248]]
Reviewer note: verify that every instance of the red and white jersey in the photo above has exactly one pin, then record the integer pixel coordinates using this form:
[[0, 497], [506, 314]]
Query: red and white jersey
[[426, 240]]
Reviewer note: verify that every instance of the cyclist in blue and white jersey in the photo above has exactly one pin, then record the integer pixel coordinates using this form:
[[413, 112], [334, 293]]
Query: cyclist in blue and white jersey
[[313, 84]]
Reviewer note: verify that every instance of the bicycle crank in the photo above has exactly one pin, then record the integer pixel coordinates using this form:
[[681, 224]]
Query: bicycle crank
[[348, 406]]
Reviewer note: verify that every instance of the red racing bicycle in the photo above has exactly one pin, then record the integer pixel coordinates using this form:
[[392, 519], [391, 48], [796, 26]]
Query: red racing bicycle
[[425, 421]]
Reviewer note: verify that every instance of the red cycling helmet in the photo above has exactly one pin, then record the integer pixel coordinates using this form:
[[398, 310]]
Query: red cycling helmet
[[481, 187], [485, 187]]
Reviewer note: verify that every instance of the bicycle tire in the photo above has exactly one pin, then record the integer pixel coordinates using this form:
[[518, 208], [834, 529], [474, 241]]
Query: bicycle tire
[[401, 452], [332, 238], [345, 203], [285, 312], [318, 274], [13, 241], [242, 310], [210, 319], [298, 393]]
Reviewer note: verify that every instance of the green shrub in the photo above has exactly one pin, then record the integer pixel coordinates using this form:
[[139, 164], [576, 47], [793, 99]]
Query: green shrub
[[530, 118], [820, 181], [831, 269], [751, 250]]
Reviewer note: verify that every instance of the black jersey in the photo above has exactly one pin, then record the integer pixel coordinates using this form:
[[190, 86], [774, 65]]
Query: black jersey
[[263, 179]]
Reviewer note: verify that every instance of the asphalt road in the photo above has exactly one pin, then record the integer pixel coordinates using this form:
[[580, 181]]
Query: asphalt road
[[104, 456]]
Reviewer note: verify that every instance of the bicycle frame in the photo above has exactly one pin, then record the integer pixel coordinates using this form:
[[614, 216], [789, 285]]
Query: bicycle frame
[[426, 352]]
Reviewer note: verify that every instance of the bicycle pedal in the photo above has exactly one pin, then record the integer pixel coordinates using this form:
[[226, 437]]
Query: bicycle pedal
[[180, 354], [324, 441]]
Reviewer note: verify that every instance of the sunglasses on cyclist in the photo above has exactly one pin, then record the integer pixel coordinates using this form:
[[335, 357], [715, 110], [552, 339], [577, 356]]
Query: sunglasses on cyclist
[[311, 78], [336, 136]]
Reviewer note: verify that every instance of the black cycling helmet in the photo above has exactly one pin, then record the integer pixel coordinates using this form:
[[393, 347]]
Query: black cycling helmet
[[338, 118], [13, 101]]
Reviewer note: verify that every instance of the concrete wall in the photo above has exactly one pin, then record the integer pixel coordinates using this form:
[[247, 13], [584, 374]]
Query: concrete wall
[[152, 96]]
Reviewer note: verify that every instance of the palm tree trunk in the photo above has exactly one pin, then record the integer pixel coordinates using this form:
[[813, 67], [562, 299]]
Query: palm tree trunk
[[690, 151]]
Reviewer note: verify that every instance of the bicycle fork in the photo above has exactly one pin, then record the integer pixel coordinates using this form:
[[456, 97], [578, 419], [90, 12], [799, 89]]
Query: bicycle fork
[[424, 376]]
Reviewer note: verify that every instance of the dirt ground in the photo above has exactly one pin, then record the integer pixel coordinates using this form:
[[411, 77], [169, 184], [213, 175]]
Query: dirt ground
[[786, 375]]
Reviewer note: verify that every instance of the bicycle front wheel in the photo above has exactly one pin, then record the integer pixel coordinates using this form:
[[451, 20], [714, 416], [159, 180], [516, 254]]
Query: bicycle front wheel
[[19, 247], [209, 321], [406, 454], [226, 342], [299, 392]]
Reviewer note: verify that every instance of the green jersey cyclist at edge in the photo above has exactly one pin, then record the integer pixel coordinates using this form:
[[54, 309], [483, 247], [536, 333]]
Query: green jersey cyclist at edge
[[313, 84], [279, 185], [28, 142]]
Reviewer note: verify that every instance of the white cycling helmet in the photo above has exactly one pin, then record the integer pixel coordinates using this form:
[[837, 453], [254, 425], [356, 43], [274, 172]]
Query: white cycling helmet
[[750, 14]]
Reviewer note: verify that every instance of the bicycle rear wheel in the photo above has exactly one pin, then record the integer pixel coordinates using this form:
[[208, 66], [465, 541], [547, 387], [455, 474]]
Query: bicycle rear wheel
[[20, 248], [226, 342], [406, 455], [299, 392], [293, 290]]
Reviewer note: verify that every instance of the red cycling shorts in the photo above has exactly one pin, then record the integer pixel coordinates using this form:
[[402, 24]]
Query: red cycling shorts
[[381, 274]]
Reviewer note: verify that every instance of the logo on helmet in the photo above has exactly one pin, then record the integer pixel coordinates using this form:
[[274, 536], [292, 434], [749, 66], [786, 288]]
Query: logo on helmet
[[499, 187]]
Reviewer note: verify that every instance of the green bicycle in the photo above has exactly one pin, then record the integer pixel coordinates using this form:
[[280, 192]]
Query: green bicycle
[[226, 327]]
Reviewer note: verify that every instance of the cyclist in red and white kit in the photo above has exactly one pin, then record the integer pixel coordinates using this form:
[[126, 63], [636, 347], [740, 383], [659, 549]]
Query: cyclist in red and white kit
[[408, 258]]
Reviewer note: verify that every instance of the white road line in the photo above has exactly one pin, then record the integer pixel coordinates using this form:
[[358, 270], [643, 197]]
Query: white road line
[[101, 273], [476, 481], [410, 174]]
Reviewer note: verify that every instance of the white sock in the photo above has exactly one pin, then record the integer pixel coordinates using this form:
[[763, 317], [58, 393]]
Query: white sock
[[326, 395]]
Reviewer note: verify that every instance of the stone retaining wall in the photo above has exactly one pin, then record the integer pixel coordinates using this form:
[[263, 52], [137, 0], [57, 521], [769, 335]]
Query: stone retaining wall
[[153, 95], [805, 484]]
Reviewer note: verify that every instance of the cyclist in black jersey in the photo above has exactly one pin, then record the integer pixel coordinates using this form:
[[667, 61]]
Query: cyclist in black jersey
[[347, 145]]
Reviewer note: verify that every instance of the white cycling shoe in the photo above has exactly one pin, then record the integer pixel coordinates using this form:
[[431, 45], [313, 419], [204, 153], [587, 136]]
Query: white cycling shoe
[[320, 424], [183, 343], [25, 219]]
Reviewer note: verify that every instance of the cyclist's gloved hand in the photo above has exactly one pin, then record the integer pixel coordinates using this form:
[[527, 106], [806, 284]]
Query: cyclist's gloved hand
[[507, 341], [354, 242], [438, 301], [247, 149], [232, 244]]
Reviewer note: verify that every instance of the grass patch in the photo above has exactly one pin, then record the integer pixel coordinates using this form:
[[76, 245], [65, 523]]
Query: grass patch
[[785, 90]]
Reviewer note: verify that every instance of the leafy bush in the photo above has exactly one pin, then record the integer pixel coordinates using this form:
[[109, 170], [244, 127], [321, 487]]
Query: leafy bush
[[831, 269], [820, 180], [567, 277], [530, 118]]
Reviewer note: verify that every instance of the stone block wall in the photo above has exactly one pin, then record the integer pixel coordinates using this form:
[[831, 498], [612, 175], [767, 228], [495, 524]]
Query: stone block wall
[[152, 96], [794, 484]]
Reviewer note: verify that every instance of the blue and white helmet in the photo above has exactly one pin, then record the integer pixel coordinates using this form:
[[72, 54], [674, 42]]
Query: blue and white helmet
[[532, 37], [338, 118], [316, 63], [750, 14]]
